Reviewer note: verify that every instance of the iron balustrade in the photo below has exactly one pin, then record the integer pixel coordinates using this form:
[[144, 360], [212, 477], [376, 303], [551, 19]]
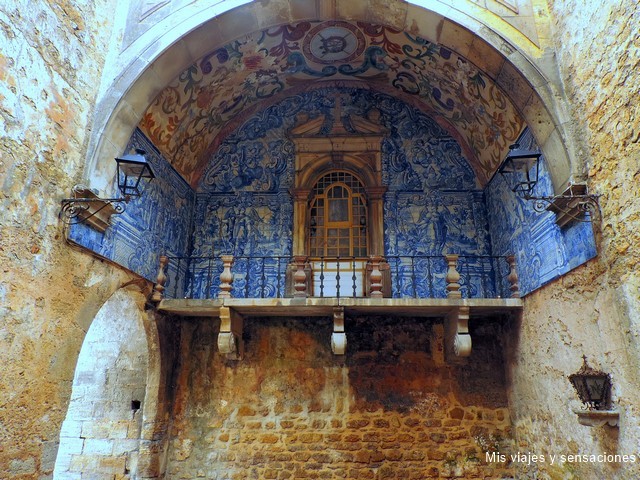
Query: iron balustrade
[[424, 276], [404, 276]]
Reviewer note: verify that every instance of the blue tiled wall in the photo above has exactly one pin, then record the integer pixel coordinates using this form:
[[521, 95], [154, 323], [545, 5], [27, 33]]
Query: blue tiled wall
[[159, 222], [245, 224], [543, 250], [243, 207], [433, 205]]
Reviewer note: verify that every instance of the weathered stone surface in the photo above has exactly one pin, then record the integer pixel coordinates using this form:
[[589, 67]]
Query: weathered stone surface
[[49, 62], [386, 381], [598, 48], [308, 414]]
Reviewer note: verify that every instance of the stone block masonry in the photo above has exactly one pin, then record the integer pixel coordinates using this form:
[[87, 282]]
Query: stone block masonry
[[291, 409]]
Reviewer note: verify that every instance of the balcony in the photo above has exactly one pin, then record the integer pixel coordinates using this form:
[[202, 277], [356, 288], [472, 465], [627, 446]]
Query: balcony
[[453, 287]]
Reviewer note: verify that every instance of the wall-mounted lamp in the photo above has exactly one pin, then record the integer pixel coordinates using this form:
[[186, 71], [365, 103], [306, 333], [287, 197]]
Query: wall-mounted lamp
[[85, 206], [594, 389], [521, 170]]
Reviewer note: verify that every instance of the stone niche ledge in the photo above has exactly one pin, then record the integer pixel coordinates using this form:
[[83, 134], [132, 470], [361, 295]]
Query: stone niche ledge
[[598, 418]]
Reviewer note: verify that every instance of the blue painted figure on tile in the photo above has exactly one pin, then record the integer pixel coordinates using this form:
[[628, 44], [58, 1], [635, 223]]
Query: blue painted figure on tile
[[241, 205]]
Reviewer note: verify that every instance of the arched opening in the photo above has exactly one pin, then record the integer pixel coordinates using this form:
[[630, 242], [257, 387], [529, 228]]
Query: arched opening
[[101, 433], [338, 234], [502, 52]]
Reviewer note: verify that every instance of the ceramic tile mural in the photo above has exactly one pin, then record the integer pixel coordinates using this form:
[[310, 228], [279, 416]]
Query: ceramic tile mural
[[190, 118], [245, 224], [157, 223], [434, 205], [543, 250]]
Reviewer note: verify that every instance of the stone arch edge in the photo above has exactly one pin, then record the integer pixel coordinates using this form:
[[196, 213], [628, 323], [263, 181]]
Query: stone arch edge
[[149, 65]]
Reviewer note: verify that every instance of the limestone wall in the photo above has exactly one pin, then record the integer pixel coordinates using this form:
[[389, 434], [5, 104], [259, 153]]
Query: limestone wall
[[390, 408], [51, 55], [51, 61], [599, 60], [101, 431]]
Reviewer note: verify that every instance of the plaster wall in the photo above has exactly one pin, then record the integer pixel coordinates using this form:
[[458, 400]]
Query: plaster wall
[[598, 50]]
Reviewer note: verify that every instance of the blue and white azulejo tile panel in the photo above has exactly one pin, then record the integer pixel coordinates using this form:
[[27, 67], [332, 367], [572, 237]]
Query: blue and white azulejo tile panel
[[543, 250], [242, 206], [157, 223]]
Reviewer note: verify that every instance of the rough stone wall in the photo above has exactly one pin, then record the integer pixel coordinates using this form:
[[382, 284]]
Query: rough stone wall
[[50, 61], [51, 56], [390, 408], [598, 49]]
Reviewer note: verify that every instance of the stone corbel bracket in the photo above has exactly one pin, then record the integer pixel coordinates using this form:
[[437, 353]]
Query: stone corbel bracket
[[457, 338], [230, 343], [598, 418], [338, 337]]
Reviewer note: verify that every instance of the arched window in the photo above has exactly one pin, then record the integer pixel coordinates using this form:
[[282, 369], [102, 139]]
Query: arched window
[[337, 225]]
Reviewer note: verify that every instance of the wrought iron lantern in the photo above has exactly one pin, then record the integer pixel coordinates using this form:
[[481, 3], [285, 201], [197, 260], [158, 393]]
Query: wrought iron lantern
[[593, 386], [86, 207], [132, 169], [521, 170]]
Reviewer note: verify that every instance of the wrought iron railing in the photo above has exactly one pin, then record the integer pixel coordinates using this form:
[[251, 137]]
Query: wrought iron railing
[[425, 276], [393, 276]]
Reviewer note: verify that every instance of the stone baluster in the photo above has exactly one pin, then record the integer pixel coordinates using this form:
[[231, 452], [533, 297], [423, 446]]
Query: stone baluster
[[453, 277], [158, 288], [375, 277], [513, 277], [226, 277], [300, 277]]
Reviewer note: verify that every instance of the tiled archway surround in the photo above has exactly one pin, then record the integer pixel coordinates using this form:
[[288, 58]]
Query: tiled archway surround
[[162, 43]]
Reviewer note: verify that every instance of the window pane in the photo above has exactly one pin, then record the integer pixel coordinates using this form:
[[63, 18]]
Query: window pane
[[339, 210], [338, 192], [338, 200]]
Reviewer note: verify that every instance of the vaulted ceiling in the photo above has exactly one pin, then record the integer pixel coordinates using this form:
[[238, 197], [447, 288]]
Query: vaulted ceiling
[[190, 117]]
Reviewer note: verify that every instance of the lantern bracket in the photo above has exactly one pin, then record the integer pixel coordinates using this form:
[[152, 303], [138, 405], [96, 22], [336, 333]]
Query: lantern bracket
[[85, 206], [521, 172]]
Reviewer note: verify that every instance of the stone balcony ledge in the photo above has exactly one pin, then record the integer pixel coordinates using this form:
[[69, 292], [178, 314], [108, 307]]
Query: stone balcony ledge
[[314, 306]]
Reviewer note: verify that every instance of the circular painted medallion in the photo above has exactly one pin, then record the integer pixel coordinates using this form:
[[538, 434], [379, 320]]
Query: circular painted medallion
[[333, 41]]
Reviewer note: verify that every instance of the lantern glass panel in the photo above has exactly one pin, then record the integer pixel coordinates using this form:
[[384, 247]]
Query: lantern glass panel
[[131, 170], [520, 170], [593, 387]]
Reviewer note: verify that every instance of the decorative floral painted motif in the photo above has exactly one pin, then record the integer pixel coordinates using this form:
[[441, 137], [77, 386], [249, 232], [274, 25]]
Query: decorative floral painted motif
[[189, 117]]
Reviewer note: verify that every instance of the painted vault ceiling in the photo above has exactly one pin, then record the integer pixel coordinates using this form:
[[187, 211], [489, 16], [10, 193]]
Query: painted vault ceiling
[[208, 100]]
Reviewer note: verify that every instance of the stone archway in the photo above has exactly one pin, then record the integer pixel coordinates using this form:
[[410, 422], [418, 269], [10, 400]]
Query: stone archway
[[101, 434], [155, 58]]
